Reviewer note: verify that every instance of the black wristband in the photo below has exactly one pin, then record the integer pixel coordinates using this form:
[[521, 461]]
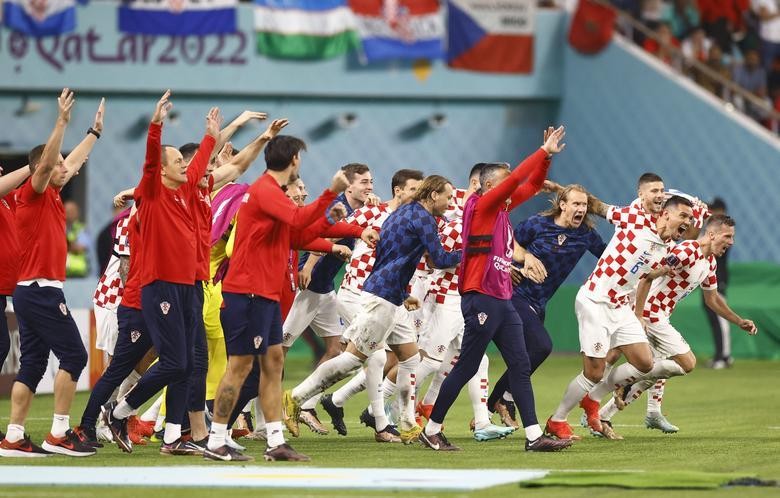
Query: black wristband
[[94, 132]]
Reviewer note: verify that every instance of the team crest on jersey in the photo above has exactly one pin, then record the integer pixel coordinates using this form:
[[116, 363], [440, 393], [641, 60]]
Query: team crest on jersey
[[561, 239], [597, 347], [165, 306], [258, 341], [441, 348], [135, 335], [482, 317], [63, 309]]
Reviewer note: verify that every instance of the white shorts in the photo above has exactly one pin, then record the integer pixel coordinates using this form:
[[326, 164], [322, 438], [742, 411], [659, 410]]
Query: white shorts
[[603, 327], [315, 310], [445, 328], [107, 328], [666, 340], [347, 306], [378, 323]]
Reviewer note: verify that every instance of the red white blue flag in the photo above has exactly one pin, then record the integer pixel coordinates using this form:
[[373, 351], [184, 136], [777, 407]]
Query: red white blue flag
[[400, 29], [178, 17], [491, 35], [40, 17]]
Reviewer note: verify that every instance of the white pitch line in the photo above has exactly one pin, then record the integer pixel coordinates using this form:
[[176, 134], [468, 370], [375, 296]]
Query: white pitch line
[[774, 428]]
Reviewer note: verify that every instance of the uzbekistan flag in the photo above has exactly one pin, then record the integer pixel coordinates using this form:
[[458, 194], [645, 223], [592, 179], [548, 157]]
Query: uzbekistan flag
[[40, 17], [304, 29], [178, 17], [492, 35], [400, 29]]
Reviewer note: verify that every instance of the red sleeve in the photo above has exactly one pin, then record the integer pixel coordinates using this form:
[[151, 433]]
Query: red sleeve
[[343, 230], [319, 245], [150, 181], [301, 238], [535, 164], [278, 206], [531, 186], [200, 160]]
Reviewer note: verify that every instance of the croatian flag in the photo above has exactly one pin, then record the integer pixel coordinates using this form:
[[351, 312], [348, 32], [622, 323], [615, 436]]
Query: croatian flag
[[491, 35], [40, 17], [400, 29], [178, 17]]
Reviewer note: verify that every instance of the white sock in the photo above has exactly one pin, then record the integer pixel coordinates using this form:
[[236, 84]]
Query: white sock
[[607, 369], [375, 365], [172, 433], [311, 403], [123, 410], [128, 384], [609, 410], [217, 435], [478, 394], [533, 432], [259, 415], [432, 428], [621, 375], [159, 423], [356, 384], [428, 366], [60, 425], [450, 358], [14, 433], [151, 414], [406, 386], [577, 388], [389, 387], [274, 433], [663, 369], [655, 396], [248, 405], [326, 375]]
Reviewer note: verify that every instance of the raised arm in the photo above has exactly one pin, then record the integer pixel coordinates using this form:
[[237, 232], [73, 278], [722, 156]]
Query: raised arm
[[78, 156], [150, 180], [51, 152], [199, 162], [13, 179], [716, 303], [227, 132], [241, 162]]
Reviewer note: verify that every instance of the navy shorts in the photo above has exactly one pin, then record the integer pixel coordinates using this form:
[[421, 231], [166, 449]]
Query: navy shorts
[[250, 323], [45, 324]]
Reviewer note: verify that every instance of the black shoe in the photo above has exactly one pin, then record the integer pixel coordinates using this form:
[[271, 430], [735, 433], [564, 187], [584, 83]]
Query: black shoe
[[546, 443], [226, 454], [437, 442], [88, 436], [69, 445], [197, 447], [368, 420], [180, 447], [284, 453], [336, 414], [117, 426]]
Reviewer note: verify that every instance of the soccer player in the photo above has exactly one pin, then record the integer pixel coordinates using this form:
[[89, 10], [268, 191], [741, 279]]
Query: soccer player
[[168, 263], [557, 238], [251, 315], [692, 264], [45, 322], [9, 249], [406, 235], [486, 288], [603, 305]]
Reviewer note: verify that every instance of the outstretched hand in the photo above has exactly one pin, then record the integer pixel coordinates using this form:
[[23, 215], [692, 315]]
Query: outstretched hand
[[98, 124], [552, 140], [65, 104], [162, 108], [274, 128], [213, 122]]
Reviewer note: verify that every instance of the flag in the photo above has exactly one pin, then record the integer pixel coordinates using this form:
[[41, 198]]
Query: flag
[[400, 29], [304, 29], [592, 27], [491, 35], [178, 17], [40, 17]]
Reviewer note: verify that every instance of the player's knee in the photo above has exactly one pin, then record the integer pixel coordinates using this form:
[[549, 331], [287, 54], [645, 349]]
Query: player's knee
[[643, 364], [74, 363], [239, 366], [30, 374], [688, 363]]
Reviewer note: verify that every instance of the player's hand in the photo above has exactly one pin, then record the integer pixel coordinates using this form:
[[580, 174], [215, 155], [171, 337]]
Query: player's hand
[[65, 104], [748, 326], [339, 182], [213, 122], [373, 200], [411, 303], [551, 187], [120, 200], [659, 272], [162, 108], [225, 155], [370, 237], [534, 269], [337, 212], [304, 277], [552, 142], [517, 275], [274, 128], [97, 125], [341, 252], [248, 116]]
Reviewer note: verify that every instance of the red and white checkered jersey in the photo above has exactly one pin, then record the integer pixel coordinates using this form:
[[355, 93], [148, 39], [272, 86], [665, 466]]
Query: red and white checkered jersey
[[363, 257], [458, 201], [109, 288], [633, 251], [700, 211], [444, 282], [690, 269]]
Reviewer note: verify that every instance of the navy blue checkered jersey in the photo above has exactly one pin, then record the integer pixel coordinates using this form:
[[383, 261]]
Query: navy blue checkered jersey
[[559, 249], [328, 266], [406, 234]]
